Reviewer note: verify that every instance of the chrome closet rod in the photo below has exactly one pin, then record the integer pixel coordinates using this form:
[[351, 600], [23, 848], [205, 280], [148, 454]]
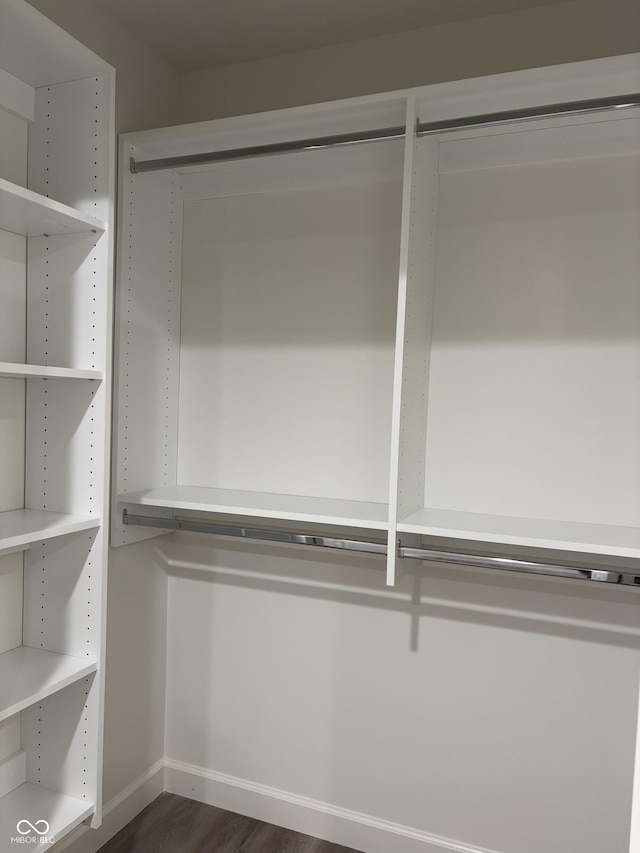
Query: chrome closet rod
[[475, 561], [241, 532], [594, 105], [509, 564]]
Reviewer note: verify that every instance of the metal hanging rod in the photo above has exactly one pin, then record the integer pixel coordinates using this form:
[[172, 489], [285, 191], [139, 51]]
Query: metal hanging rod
[[475, 561], [510, 564], [318, 143], [267, 535]]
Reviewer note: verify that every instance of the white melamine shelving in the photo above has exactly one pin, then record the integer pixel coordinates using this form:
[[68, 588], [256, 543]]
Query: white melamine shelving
[[21, 527], [518, 425], [263, 505], [598, 539], [56, 246], [11, 370], [507, 413], [29, 675], [61, 814], [292, 422], [30, 214]]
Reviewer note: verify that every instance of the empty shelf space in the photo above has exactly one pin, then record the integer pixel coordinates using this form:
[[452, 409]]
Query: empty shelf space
[[605, 540], [30, 214], [30, 675], [21, 527], [15, 370], [264, 505], [43, 809]]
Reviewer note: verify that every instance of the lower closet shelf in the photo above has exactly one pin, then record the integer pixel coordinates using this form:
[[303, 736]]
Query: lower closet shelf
[[31, 811], [306, 508], [597, 539], [20, 527], [29, 675]]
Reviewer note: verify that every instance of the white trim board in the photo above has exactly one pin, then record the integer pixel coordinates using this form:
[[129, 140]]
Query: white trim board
[[262, 802], [302, 814]]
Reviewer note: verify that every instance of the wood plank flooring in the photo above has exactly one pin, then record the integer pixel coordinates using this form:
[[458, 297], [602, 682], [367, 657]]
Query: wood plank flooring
[[173, 824]]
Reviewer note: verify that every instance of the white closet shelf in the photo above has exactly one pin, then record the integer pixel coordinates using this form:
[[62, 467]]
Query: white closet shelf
[[600, 539], [21, 527], [29, 675], [15, 370], [264, 505], [37, 804], [30, 214]]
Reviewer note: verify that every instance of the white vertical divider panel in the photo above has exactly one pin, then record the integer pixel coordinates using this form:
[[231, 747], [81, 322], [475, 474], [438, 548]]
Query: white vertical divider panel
[[148, 339], [415, 303]]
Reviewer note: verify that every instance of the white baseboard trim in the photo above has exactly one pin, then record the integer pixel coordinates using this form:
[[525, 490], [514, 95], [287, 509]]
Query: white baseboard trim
[[312, 817], [117, 812]]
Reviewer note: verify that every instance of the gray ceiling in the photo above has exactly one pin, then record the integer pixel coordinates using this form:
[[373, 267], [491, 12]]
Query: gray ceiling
[[195, 34]]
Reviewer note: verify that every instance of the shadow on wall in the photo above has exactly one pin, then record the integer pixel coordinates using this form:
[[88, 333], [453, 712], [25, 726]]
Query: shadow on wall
[[550, 607]]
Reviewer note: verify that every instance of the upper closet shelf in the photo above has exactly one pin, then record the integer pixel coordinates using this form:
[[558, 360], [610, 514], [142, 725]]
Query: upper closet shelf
[[21, 527], [600, 539], [264, 505], [29, 214], [13, 370]]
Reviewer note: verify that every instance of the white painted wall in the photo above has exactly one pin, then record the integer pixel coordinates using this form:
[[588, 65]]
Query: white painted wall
[[494, 713], [536, 342], [546, 35], [135, 676], [146, 86], [324, 367]]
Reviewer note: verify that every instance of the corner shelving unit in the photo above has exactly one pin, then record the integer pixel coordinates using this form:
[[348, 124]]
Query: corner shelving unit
[[56, 115]]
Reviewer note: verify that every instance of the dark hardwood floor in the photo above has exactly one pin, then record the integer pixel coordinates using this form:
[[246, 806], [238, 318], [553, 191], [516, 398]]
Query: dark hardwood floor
[[173, 824]]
